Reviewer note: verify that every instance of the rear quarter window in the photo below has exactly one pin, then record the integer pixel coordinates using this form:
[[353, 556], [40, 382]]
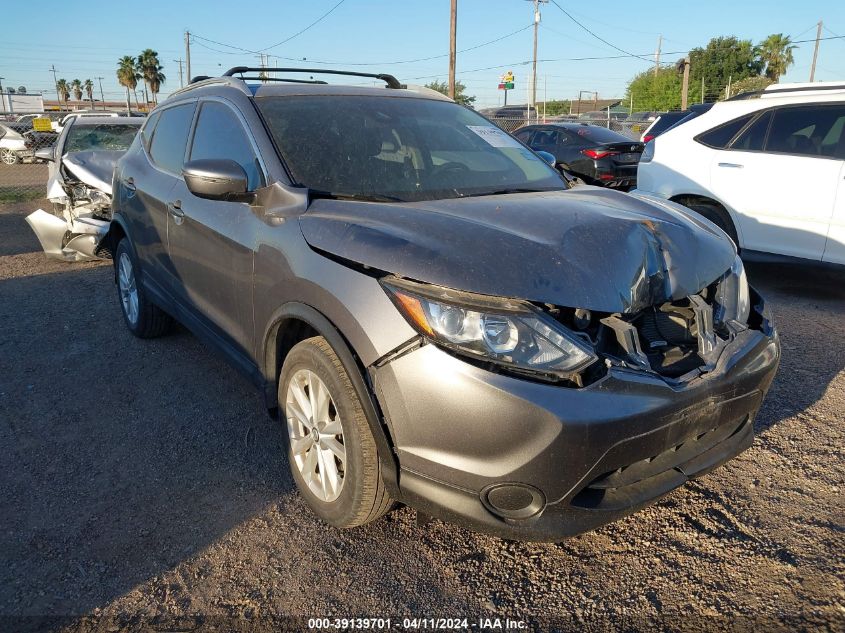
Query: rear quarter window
[[720, 136]]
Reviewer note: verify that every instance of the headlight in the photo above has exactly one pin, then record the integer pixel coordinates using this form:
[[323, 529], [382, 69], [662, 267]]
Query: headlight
[[733, 301], [506, 332]]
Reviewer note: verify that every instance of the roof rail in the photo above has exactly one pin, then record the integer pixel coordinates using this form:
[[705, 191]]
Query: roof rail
[[786, 89], [390, 80]]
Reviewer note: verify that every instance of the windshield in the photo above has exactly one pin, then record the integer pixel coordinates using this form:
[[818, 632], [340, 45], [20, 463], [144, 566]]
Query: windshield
[[403, 149], [82, 138]]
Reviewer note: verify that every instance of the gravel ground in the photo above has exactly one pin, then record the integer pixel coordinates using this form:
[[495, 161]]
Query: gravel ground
[[143, 483]]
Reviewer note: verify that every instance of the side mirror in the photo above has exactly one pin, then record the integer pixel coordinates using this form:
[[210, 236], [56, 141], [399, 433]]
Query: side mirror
[[546, 156], [45, 153], [216, 179]]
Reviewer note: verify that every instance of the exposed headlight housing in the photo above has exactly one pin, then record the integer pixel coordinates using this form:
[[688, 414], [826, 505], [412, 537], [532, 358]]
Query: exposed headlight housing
[[733, 300], [507, 332]]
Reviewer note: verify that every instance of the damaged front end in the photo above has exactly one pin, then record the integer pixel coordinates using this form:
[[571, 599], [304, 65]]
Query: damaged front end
[[677, 340], [80, 218]]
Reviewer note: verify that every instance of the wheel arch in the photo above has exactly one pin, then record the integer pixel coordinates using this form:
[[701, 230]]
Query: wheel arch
[[295, 322], [686, 199]]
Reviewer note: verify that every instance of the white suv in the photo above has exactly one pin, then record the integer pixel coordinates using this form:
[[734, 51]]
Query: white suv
[[768, 169]]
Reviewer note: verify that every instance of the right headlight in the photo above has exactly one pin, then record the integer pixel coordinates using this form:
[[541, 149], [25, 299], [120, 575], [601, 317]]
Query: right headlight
[[733, 300], [506, 332]]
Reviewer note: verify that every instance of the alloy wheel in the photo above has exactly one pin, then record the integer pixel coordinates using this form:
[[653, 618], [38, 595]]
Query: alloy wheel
[[316, 435], [8, 156], [128, 288]]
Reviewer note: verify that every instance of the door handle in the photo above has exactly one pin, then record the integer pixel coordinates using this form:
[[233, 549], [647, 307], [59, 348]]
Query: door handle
[[129, 183], [734, 165], [175, 209]]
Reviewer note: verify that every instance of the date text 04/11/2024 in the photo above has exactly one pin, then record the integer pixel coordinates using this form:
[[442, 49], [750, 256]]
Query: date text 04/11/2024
[[431, 624]]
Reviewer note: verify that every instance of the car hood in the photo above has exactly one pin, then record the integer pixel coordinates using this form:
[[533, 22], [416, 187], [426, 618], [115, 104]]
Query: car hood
[[93, 167], [586, 247]]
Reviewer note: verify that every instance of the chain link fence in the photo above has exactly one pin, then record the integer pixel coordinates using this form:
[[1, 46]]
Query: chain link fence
[[631, 129], [23, 175]]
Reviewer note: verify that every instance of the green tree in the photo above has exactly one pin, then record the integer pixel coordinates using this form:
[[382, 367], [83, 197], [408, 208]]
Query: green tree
[[749, 84], [776, 53], [76, 86], [722, 59], [150, 69], [460, 91], [89, 90], [63, 88], [555, 107], [127, 76], [650, 91]]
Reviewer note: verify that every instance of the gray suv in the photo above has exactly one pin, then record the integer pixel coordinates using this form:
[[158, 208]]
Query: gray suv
[[434, 315]]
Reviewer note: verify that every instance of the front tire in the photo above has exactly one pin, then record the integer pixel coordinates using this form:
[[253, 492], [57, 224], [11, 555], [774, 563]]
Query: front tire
[[9, 157], [331, 450], [143, 318]]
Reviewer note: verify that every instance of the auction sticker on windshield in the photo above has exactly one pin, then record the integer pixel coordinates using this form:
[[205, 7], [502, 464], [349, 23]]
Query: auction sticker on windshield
[[494, 136]]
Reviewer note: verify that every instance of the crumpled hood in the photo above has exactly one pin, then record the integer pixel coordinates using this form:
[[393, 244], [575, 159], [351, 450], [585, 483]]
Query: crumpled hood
[[93, 167], [583, 248]]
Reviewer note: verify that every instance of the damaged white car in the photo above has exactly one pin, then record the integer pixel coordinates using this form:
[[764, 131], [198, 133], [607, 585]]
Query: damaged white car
[[80, 185]]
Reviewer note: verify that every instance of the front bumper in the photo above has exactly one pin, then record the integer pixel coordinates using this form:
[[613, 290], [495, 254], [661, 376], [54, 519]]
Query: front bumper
[[474, 446]]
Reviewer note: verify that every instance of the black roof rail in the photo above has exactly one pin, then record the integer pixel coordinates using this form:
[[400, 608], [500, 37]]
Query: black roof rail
[[285, 80], [390, 80], [199, 78]]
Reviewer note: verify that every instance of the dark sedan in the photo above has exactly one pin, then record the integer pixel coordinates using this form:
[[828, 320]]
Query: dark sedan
[[595, 154]]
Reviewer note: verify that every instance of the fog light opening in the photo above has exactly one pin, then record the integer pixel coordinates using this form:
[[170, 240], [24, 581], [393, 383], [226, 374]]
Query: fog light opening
[[513, 501]]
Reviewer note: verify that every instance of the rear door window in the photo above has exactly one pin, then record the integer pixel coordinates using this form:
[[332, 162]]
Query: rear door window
[[219, 134], [170, 137], [811, 130]]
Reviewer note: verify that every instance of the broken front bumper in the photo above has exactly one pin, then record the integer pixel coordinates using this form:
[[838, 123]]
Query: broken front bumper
[[72, 241], [535, 461]]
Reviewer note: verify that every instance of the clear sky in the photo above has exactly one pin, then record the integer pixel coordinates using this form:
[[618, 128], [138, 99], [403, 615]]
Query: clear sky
[[85, 39]]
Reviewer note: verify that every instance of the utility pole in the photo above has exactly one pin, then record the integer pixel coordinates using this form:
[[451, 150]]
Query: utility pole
[[685, 85], [702, 89], [534, 63], [181, 83], [56, 84], [102, 96], [453, 53], [816, 51], [188, 55], [657, 54]]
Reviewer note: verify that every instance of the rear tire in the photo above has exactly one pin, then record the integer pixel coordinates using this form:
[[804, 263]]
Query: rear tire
[[718, 216], [143, 318], [331, 450]]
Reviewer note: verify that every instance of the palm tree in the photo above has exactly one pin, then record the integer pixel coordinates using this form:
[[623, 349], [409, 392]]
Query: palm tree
[[776, 52], [149, 66], [89, 90], [76, 86], [157, 78], [127, 77], [63, 89]]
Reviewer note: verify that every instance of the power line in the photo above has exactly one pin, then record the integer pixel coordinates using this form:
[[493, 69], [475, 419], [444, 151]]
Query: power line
[[601, 39], [267, 48], [390, 63], [297, 34]]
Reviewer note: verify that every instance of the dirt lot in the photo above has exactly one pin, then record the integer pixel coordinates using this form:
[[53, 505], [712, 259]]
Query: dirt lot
[[23, 176], [142, 481]]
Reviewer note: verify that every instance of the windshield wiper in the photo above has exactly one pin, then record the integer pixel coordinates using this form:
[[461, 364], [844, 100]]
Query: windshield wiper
[[367, 197], [500, 192]]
